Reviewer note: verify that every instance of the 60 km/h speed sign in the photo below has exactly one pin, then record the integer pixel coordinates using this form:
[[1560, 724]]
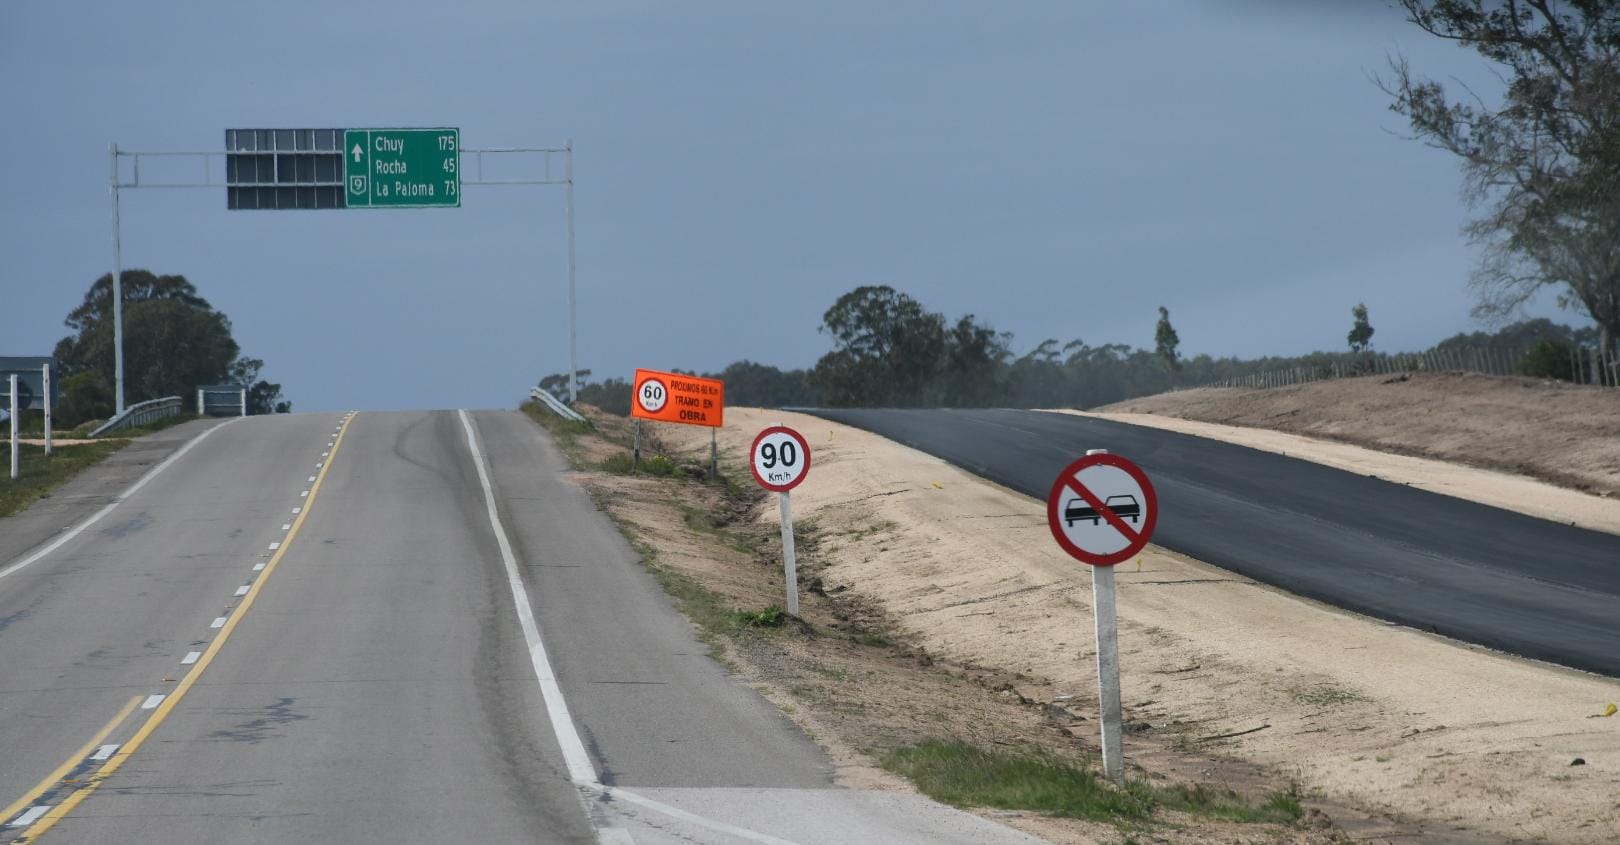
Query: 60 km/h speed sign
[[1102, 509], [652, 395], [779, 459]]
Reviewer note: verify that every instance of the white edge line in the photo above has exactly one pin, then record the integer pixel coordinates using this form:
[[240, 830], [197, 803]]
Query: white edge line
[[579, 765], [615, 793], [578, 761], [118, 500], [580, 770]]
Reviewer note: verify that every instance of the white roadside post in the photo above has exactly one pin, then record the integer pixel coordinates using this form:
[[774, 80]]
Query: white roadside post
[[15, 466], [45, 378], [1107, 627], [1102, 511], [244, 403], [780, 460], [202, 410], [790, 566]]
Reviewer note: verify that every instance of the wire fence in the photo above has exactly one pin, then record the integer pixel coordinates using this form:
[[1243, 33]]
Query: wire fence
[[1586, 365]]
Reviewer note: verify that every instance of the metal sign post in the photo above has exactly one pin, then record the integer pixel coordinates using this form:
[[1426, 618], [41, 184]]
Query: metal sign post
[[780, 460], [1102, 511], [15, 466]]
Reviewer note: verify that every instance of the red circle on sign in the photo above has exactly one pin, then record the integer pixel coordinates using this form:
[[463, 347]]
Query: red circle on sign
[[804, 448], [1066, 479]]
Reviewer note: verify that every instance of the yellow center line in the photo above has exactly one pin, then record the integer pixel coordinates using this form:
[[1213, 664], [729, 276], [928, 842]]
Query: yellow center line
[[57, 813], [51, 779]]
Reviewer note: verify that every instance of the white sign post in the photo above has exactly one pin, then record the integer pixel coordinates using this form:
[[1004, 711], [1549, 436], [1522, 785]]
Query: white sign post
[[45, 378], [16, 467], [1102, 511], [780, 460]]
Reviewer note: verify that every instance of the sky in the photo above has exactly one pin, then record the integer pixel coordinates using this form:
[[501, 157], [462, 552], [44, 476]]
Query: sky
[[1058, 169]]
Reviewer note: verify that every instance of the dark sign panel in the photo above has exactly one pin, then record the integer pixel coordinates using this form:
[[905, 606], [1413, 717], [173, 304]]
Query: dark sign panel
[[284, 168]]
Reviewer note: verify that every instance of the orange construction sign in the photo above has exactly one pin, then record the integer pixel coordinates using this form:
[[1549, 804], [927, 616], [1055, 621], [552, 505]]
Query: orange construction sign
[[672, 397]]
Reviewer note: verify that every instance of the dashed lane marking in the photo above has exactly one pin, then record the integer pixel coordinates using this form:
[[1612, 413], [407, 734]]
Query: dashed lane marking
[[162, 711]]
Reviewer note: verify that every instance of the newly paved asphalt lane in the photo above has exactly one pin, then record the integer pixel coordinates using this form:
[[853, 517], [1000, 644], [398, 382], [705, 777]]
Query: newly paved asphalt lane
[[1476, 573], [306, 630]]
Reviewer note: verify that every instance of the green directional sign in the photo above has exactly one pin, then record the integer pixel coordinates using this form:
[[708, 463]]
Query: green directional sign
[[402, 168]]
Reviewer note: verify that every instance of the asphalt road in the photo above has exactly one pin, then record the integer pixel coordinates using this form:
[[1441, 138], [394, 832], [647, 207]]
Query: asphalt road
[[409, 656], [1437, 563]]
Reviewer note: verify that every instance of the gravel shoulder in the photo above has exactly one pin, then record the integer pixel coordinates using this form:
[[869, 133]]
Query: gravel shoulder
[[92, 489]]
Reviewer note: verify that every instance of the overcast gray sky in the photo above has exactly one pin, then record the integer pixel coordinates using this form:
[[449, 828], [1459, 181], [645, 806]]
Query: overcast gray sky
[[1059, 169]]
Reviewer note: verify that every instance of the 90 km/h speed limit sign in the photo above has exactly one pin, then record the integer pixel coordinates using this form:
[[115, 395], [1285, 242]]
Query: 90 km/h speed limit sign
[[779, 459]]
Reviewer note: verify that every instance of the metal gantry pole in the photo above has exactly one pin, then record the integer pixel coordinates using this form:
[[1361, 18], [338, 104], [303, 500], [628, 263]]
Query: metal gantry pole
[[117, 289], [573, 367]]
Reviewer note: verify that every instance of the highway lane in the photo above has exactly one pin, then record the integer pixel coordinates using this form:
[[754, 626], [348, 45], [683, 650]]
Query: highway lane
[[362, 672], [1437, 563]]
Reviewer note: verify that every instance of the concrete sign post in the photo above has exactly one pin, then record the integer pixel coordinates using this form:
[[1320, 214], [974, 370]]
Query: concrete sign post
[[780, 460], [1102, 511]]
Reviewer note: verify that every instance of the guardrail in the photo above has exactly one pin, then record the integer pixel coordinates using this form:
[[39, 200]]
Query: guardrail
[[141, 413], [556, 405]]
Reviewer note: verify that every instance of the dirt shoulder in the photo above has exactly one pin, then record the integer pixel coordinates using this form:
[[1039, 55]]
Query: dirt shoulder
[[1564, 434], [1407, 736], [867, 688]]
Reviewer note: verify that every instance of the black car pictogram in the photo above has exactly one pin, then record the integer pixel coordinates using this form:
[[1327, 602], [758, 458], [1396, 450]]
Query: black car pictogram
[[1124, 507]]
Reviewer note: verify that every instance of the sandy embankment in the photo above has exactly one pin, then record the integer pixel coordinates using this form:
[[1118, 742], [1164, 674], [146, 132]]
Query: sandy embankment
[[1383, 716]]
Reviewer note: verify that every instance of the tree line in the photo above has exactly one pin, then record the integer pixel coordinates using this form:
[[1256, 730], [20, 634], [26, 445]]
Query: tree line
[[890, 350], [174, 342]]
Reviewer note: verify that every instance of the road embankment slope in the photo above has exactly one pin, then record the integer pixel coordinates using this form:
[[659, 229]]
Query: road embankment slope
[[1437, 563], [1469, 743]]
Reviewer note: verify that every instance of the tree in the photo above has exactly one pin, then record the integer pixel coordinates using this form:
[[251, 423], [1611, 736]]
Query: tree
[[174, 341], [1544, 165], [1165, 341], [887, 350], [263, 397], [1361, 331]]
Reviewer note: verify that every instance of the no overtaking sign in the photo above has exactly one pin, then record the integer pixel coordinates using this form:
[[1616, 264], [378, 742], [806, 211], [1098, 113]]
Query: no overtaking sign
[[1102, 509]]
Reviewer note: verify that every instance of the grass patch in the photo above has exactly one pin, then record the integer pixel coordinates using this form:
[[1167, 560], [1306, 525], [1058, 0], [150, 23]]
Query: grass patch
[[1325, 696], [565, 432], [658, 466], [958, 774], [867, 638], [961, 775], [40, 475], [770, 617]]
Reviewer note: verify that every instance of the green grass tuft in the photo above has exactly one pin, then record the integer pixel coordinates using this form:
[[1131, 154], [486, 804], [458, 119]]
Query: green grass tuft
[[961, 775]]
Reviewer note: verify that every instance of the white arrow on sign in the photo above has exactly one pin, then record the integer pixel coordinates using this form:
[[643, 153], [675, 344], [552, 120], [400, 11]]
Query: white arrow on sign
[[357, 152]]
